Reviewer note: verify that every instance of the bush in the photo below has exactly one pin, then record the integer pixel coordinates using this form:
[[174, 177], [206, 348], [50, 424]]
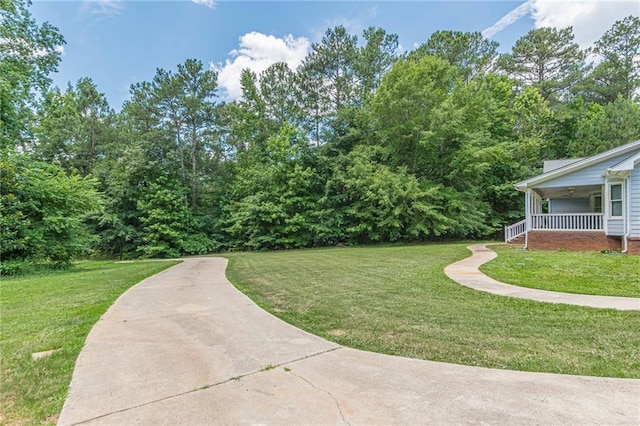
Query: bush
[[42, 212]]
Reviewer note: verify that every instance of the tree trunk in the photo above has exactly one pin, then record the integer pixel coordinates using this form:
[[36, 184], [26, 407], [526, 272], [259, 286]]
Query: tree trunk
[[194, 167]]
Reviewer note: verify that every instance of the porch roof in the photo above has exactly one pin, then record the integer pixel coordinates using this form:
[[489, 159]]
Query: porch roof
[[625, 165], [585, 162], [567, 191]]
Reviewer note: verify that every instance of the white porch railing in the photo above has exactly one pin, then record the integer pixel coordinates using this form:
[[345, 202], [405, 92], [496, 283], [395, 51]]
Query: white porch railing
[[568, 222], [515, 230]]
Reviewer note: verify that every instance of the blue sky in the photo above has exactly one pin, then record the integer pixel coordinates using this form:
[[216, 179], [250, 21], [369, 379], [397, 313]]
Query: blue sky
[[117, 43]]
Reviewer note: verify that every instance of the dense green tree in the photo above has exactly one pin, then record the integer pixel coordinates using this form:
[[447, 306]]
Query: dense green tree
[[425, 117], [275, 197], [533, 120], [276, 89], [354, 146], [169, 227], [123, 183], [327, 80], [547, 59], [168, 134], [250, 125], [436, 126], [42, 214], [268, 103], [331, 64], [185, 102], [563, 127], [374, 59], [314, 110], [75, 127], [58, 123], [374, 203], [618, 72], [470, 52], [199, 89], [166, 94], [403, 111], [605, 127], [28, 54]]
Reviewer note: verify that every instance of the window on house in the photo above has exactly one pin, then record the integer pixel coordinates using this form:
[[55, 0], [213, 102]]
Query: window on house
[[615, 197], [597, 203]]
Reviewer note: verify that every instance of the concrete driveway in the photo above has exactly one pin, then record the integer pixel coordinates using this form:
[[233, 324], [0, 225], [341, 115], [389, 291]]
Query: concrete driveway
[[185, 347]]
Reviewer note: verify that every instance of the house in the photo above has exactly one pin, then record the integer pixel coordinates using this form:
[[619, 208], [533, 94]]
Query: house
[[588, 203]]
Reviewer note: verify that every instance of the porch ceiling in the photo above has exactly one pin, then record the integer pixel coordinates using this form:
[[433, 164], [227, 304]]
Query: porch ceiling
[[568, 192]]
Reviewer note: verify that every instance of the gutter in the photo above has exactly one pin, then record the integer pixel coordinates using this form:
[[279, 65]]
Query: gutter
[[627, 220]]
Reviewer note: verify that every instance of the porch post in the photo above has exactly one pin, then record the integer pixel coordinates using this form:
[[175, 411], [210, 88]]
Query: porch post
[[527, 209]]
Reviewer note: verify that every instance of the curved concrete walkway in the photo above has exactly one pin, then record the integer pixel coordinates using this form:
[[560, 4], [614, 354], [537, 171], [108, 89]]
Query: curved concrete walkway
[[466, 272], [185, 347]]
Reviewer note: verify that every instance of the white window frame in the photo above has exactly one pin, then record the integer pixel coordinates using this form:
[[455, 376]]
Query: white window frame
[[610, 200]]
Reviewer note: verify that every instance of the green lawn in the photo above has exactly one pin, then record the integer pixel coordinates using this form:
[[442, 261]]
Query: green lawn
[[570, 272], [51, 311], [397, 300]]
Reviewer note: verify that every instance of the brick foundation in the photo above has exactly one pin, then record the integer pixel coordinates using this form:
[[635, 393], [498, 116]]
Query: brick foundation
[[578, 241], [633, 246]]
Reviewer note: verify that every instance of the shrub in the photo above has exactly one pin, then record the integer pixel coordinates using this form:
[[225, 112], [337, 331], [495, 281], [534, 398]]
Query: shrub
[[42, 212]]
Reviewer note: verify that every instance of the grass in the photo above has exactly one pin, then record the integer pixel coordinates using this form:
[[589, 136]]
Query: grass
[[397, 300], [604, 274], [49, 311]]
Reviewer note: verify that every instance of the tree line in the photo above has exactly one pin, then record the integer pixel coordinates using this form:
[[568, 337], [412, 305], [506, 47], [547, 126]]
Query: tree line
[[359, 144]]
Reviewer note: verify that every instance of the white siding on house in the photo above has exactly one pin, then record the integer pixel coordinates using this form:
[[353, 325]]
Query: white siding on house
[[569, 205], [634, 199], [615, 227], [592, 175]]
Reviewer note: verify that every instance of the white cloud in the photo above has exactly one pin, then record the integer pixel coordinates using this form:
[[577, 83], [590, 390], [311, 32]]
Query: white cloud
[[508, 19], [257, 52], [102, 7], [353, 25], [589, 18], [209, 3], [19, 47]]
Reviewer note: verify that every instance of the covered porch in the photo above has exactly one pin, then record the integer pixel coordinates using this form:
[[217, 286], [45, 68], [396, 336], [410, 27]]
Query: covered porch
[[570, 208], [583, 203]]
